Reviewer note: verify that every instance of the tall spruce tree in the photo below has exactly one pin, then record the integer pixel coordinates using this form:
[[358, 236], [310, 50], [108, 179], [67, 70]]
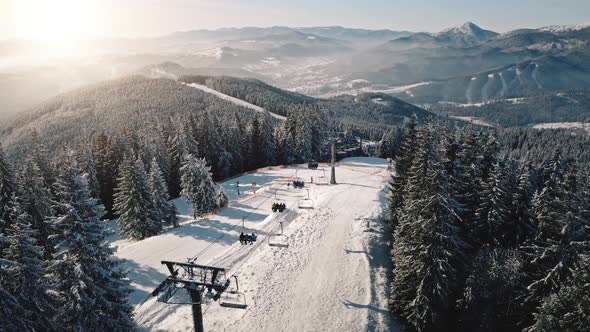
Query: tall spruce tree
[[427, 248], [133, 202], [164, 211], [403, 163], [521, 227], [25, 278], [36, 200], [8, 188], [87, 281], [493, 211], [197, 185]]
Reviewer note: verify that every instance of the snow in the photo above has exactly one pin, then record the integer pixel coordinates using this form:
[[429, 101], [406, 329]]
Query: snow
[[564, 28], [234, 100], [475, 121], [563, 125], [333, 275], [311, 37]]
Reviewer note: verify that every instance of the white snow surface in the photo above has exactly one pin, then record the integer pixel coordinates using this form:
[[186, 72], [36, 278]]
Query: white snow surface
[[234, 100], [332, 277]]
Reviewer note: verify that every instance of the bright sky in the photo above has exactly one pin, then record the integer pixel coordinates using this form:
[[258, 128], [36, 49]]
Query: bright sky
[[70, 19]]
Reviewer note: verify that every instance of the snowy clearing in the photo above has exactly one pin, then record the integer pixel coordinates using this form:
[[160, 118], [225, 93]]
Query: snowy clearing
[[475, 121], [332, 277], [564, 125], [234, 100]]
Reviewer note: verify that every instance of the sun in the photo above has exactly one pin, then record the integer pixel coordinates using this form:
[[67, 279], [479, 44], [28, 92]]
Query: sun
[[57, 24], [54, 20]]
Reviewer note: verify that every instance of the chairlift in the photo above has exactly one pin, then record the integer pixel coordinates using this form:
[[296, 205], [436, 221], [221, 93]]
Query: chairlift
[[278, 204], [312, 164], [278, 239], [322, 180], [233, 298], [306, 203]]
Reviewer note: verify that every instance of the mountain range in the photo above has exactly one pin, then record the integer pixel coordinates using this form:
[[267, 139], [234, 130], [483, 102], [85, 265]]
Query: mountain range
[[463, 64]]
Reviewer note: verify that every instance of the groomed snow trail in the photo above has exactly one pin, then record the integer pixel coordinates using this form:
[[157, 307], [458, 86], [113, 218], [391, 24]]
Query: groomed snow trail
[[234, 100], [332, 277]]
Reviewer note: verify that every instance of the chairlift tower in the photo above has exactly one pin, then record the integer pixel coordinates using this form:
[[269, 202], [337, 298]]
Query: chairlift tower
[[198, 280], [333, 175]]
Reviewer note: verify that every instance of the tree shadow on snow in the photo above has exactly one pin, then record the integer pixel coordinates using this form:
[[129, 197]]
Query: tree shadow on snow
[[142, 275]]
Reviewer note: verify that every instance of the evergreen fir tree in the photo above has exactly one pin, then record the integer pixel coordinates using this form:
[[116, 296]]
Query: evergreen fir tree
[[133, 202], [521, 228], [175, 157], [164, 211], [36, 200], [8, 188], [493, 212], [24, 279], [88, 283], [403, 162], [197, 185], [427, 249], [567, 309]]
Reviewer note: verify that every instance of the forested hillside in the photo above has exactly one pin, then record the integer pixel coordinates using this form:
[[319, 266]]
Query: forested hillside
[[368, 109], [491, 230], [546, 108]]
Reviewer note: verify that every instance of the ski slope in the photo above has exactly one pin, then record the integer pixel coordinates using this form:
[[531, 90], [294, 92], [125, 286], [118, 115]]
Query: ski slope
[[234, 100], [332, 277]]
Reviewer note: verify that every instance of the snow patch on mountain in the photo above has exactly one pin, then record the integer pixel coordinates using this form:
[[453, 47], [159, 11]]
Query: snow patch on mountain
[[565, 28]]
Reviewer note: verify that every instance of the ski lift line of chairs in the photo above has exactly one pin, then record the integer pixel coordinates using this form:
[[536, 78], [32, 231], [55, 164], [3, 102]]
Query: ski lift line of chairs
[[306, 203], [322, 180], [278, 204], [278, 239]]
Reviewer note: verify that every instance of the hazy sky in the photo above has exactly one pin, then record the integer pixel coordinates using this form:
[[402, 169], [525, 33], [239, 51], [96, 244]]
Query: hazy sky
[[132, 18]]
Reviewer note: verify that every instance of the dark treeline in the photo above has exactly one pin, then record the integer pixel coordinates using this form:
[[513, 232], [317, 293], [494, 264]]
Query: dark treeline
[[564, 107], [490, 233]]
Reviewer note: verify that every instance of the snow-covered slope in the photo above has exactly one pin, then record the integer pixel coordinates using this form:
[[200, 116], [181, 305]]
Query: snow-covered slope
[[234, 100], [332, 277]]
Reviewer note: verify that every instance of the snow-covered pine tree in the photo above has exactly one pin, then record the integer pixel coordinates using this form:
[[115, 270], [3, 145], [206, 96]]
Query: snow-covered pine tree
[[105, 160], [36, 200], [164, 211], [561, 238], [222, 200], [224, 163], [25, 278], [133, 202], [86, 280], [493, 211], [85, 159], [257, 156], [267, 138], [521, 227], [197, 185], [567, 309], [175, 157], [187, 142], [236, 147], [8, 188], [491, 289], [427, 248], [303, 146], [403, 162], [468, 179], [40, 155], [12, 315]]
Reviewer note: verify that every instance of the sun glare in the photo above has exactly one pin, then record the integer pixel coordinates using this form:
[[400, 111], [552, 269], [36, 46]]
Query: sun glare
[[55, 24]]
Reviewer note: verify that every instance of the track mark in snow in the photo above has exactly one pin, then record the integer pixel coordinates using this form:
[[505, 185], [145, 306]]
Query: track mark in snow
[[234, 100], [534, 76]]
